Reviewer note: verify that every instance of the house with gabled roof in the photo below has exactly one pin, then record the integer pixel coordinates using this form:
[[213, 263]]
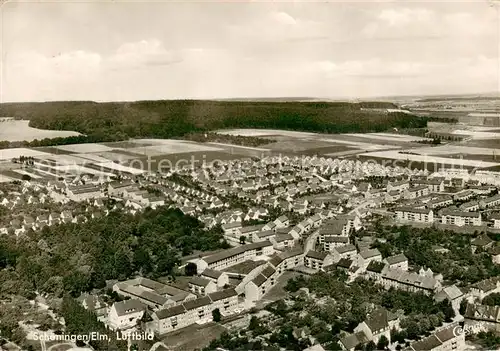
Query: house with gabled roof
[[125, 314], [221, 279], [377, 324], [317, 259], [399, 261], [202, 286]]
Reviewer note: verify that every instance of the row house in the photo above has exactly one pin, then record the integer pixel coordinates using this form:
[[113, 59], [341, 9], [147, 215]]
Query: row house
[[220, 279], [410, 281], [482, 318], [366, 256], [392, 196], [398, 186], [444, 339], [283, 241], [415, 192], [489, 202], [232, 228], [460, 218], [202, 286], [235, 255], [195, 311], [484, 288], [399, 261], [261, 284], [441, 201], [414, 214], [464, 195], [317, 260], [495, 219], [435, 185], [331, 242], [346, 251], [153, 294], [470, 206]]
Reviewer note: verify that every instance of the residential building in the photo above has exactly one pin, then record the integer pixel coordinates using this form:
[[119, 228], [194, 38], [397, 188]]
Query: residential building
[[317, 260], [125, 314], [460, 218], [414, 214], [445, 339], [398, 261], [202, 286]]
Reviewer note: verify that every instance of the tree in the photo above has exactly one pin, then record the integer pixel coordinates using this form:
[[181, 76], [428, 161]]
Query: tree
[[191, 269], [382, 343], [243, 239], [463, 307], [216, 316], [370, 346]]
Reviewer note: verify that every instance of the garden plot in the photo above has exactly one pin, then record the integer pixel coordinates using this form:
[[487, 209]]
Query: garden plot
[[429, 159], [84, 148], [8, 154]]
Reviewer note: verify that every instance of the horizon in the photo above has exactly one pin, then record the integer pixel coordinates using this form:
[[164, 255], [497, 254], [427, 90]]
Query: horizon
[[120, 51]]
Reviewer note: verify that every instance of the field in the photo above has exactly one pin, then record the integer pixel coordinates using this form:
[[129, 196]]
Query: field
[[425, 159], [9, 154], [13, 130], [84, 148]]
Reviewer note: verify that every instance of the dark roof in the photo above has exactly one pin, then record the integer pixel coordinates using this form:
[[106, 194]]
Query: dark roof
[[426, 344], [396, 259], [128, 306], [375, 266], [336, 239], [199, 281], [317, 255], [345, 248], [170, 312], [200, 302], [369, 253], [378, 320], [412, 210], [447, 333], [223, 294], [482, 240], [275, 260], [268, 271], [211, 273], [236, 251], [344, 263], [259, 280]]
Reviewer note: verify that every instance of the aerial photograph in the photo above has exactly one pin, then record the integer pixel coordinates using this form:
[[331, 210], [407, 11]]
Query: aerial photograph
[[247, 175]]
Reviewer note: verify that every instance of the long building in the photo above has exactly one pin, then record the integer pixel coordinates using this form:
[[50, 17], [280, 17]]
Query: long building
[[195, 311]]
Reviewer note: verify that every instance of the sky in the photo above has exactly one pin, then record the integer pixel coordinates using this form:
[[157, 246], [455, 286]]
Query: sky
[[122, 51]]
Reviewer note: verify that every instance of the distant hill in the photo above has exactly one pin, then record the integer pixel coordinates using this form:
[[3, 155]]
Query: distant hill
[[171, 118]]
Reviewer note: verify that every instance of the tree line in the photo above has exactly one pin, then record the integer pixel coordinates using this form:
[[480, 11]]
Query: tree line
[[175, 118]]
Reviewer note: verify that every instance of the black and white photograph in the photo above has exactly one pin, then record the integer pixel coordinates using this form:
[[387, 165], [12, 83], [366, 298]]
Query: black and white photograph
[[239, 175]]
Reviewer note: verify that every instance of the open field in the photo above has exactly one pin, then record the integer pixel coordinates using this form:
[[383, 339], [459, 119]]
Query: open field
[[454, 149], [84, 148], [193, 337], [265, 132], [8, 154], [165, 162], [427, 159], [399, 138], [20, 131]]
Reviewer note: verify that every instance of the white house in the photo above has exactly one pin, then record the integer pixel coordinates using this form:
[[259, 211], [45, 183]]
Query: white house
[[125, 314]]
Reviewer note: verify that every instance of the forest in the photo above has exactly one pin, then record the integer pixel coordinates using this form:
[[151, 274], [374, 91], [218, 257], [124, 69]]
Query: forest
[[73, 258], [175, 118]]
